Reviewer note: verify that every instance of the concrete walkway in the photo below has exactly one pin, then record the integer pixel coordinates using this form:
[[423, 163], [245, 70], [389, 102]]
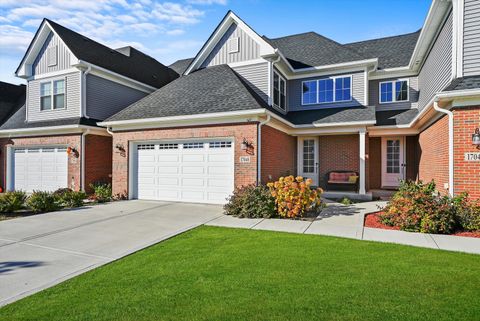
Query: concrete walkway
[[347, 221], [40, 251]]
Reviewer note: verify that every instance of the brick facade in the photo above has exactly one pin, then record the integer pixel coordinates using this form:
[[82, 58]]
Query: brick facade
[[245, 173], [433, 154], [338, 152], [98, 160], [279, 154], [466, 173]]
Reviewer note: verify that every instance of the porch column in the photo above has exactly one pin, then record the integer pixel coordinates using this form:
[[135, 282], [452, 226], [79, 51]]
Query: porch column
[[361, 189]]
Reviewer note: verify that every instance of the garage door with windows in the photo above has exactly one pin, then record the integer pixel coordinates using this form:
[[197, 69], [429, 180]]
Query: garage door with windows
[[189, 171], [40, 169]]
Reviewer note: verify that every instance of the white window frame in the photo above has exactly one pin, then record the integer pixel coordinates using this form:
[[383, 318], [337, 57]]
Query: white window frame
[[394, 91], [52, 94], [334, 90], [233, 45], [280, 77]]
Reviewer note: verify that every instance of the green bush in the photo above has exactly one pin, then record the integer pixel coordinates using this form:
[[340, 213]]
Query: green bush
[[102, 192], [467, 212], [251, 201], [40, 202], [12, 201], [69, 198]]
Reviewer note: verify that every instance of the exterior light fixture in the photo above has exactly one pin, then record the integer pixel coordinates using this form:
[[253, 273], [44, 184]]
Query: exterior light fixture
[[246, 145], [476, 137], [120, 147], [71, 150]]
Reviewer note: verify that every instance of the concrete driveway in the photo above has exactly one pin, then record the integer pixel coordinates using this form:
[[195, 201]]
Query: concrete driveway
[[39, 251]]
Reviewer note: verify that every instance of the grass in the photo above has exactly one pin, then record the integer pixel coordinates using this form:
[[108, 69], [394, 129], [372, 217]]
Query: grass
[[224, 274]]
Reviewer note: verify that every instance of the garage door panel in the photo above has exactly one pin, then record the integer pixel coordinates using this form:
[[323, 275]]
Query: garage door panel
[[219, 158], [168, 181], [193, 170], [168, 158], [193, 158], [193, 182], [223, 183], [162, 169]]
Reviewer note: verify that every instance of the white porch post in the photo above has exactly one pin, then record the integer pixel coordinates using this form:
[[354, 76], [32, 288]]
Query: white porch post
[[361, 189]]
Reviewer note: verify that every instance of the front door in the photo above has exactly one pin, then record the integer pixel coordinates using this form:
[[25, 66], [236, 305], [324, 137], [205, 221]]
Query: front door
[[308, 158], [393, 167]]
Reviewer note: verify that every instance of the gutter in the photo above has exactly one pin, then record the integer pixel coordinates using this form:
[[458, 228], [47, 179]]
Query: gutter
[[259, 148], [450, 145]]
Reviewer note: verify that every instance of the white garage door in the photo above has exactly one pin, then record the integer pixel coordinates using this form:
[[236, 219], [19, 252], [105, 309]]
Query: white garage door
[[40, 169], [195, 171]]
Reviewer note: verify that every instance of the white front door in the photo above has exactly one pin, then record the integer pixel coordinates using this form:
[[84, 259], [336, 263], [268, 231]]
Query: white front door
[[393, 167], [308, 158], [187, 171], [40, 169]]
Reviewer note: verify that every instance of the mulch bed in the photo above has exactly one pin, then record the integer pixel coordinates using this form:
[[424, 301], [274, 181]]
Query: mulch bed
[[373, 220]]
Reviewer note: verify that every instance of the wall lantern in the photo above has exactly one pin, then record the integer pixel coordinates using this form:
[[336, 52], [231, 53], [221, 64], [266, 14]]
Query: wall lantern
[[120, 148], [72, 151], [246, 145], [476, 137]]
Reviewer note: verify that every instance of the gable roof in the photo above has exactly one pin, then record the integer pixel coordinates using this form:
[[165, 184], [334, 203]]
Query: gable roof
[[11, 98], [210, 90], [181, 65], [310, 49], [391, 52]]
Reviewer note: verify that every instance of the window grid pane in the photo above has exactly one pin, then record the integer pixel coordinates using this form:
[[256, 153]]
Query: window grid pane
[[308, 156], [393, 156], [401, 90], [386, 92], [310, 92], [325, 90]]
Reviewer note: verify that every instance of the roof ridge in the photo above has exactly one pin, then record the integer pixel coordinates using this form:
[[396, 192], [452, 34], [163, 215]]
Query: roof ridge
[[382, 38]]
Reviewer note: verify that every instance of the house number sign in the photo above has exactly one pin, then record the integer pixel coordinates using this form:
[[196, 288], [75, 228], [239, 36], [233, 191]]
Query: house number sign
[[472, 157], [244, 159]]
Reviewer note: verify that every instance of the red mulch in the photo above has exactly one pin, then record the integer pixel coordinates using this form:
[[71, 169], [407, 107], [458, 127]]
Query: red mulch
[[373, 220]]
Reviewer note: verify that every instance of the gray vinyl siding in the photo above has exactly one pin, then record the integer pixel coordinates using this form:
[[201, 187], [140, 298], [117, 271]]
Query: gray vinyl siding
[[436, 72], [72, 93], [248, 48], [105, 98], [40, 65], [256, 76], [471, 38], [294, 93], [373, 96]]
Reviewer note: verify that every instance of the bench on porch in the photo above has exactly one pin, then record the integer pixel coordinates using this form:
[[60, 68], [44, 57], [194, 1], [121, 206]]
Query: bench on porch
[[342, 180]]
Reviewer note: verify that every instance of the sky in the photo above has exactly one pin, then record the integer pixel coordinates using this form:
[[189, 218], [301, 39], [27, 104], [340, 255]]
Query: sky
[[172, 30]]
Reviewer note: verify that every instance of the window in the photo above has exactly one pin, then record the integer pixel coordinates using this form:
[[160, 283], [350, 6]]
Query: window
[[52, 99], [220, 144], [327, 90], [393, 91], [192, 145], [279, 91], [308, 156]]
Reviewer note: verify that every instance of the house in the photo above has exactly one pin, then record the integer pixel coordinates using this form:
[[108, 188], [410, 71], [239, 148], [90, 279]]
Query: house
[[249, 108], [51, 139]]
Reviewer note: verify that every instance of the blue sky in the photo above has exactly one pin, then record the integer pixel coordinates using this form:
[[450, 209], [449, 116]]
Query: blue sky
[[171, 30]]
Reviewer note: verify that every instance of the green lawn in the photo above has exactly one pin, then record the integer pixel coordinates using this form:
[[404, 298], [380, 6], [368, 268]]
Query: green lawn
[[232, 274]]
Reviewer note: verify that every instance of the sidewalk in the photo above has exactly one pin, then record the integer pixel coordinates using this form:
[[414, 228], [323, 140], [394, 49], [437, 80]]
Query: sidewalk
[[347, 221]]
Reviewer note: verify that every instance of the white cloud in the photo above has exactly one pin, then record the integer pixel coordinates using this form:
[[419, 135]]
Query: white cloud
[[222, 2], [13, 40], [177, 13], [175, 32]]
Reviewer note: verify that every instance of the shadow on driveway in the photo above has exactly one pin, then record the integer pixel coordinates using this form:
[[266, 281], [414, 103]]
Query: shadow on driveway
[[6, 267]]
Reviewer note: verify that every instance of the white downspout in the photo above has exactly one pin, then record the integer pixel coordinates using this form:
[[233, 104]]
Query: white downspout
[[450, 145], [259, 148], [84, 92], [82, 160]]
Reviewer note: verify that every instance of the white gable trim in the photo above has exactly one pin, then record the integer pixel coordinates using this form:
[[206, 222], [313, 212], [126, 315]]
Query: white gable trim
[[25, 69], [265, 48]]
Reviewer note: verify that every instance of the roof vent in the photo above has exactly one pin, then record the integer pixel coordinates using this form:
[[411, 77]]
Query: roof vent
[[125, 50]]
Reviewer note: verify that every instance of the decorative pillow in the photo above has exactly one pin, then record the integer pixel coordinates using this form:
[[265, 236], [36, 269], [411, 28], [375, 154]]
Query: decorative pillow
[[352, 179]]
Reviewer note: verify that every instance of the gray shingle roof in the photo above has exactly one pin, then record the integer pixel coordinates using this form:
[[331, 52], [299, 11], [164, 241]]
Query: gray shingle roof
[[464, 83], [181, 65], [137, 66], [395, 117], [332, 115], [391, 52], [311, 49], [11, 98], [210, 90]]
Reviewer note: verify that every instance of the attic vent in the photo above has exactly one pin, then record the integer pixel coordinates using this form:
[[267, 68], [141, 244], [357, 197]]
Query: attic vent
[[233, 45], [52, 56]]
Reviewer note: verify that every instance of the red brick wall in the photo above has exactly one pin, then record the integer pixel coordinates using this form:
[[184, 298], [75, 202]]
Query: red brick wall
[[433, 154], [98, 160], [375, 162], [279, 154], [466, 173], [338, 152], [66, 140], [245, 173]]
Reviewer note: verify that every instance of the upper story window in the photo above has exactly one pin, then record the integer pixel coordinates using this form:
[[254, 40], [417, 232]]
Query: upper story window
[[327, 90], [52, 95], [393, 91], [279, 91]]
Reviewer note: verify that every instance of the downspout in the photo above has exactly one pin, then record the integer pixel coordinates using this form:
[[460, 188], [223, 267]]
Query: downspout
[[450, 144], [259, 148], [84, 92], [82, 160]]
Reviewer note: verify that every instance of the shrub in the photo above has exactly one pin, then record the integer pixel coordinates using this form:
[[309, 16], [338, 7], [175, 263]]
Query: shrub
[[69, 198], [294, 197], [102, 192], [346, 201], [40, 202], [12, 201], [467, 212], [251, 201]]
